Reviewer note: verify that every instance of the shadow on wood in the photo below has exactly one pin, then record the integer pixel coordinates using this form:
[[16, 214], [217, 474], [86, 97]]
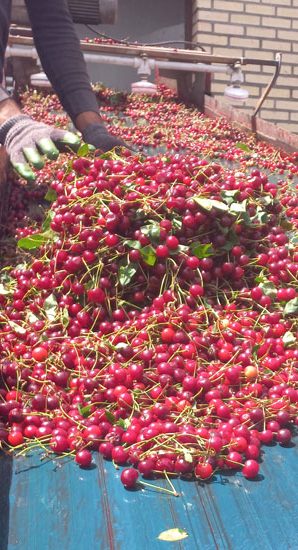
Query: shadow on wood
[[5, 477]]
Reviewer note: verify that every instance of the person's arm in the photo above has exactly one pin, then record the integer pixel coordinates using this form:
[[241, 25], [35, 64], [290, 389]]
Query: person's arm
[[8, 107], [27, 141], [5, 10], [59, 50]]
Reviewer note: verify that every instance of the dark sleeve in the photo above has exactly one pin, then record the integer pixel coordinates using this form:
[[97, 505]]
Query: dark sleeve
[[58, 47], [5, 9]]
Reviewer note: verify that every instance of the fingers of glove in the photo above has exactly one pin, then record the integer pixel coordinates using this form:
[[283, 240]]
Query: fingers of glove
[[48, 148], [65, 140], [20, 165], [24, 170], [32, 155]]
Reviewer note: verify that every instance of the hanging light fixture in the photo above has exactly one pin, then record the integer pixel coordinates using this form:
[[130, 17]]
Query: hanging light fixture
[[234, 91]]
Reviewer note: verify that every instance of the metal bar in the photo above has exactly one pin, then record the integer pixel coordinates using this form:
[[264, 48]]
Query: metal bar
[[156, 52], [192, 67], [135, 62], [269, 86]]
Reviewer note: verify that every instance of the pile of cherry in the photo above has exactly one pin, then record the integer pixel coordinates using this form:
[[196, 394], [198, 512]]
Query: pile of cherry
[[153, 316]]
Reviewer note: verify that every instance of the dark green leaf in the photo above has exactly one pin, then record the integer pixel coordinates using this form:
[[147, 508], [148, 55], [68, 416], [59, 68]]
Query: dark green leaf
[[291, 307], [133, 244], [177, 223], [202, 250], [123, 423], [148, 255], [110, 417], [84, 411], [126, 273], [51, 195], [260, 216], [32, 241]]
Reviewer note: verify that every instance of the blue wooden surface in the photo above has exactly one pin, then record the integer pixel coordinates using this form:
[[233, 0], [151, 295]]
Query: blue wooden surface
[[56, 505]]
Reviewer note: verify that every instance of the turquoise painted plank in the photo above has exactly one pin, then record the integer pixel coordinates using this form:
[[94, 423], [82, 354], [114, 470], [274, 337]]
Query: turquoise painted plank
[[56, 505]]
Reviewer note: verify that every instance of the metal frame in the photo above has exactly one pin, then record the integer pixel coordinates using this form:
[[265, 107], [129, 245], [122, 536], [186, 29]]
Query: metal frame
[[18, 37]]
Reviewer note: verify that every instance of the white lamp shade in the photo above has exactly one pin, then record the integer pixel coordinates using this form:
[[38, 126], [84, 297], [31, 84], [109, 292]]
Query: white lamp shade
[[236, 93], [143, 87]]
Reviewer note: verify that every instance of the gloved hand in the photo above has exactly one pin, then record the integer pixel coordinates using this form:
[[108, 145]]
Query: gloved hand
[[26, 141], [97, 135]]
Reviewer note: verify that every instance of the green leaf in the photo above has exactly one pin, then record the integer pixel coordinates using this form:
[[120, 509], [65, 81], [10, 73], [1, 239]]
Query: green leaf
[[3, 290], [126, 273], [202, 250], [110, 417], [293, 237], [17, 328], [229, 196], [123, 423], [267, 200], [151, 230], [289, 338], [83, 150], [260, 279], [51, 307], [84, 411], [48, 220], [238, 207], [64, 315], [291, 307], [177, 223], [32, 241], [243, 147], [180, 248], [188, 457], [133, 244], [208, 204], [31, 318], [148, 255], [260, 216], [268, 289], [51, 195], [173, 535]]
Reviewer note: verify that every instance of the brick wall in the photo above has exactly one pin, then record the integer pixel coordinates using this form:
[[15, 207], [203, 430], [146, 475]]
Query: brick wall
[[256, 29]]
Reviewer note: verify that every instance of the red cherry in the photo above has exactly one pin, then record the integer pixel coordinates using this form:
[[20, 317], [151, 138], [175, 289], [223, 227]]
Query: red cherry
[[40, 353]]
